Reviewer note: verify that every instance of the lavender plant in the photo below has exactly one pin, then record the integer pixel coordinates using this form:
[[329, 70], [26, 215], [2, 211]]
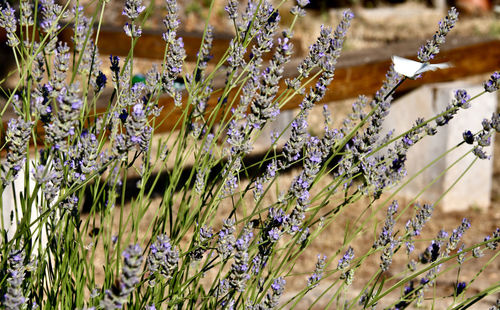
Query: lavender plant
[[213, 235]]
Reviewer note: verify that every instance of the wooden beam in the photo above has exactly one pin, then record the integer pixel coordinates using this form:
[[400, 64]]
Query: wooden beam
[[113, 41]]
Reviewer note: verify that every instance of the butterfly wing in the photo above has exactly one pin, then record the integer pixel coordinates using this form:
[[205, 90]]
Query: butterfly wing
[[407, 67], [433, 67]]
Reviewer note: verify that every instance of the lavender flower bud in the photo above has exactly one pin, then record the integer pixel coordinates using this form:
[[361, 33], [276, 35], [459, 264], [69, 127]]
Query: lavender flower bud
[[461, 99], [262, 106], [239, 273], [460, 288], [387, 255], [100, 81], [61, 66], [237, 139], [386, 234], [204, 54], [271, 300], [226, 241], [50, 12], [26, 18], [171, 21], [313, 280], [120, 292], [232, 9], [298, 137], [457, 235], [424, 213], [18, 136], [492, 245], [231, 172], [82, 29], [461, 254], [175, 59], [468, 137], [163, 258], [493, 84], [431, 48], [346, 260], [478, 151], [8, 21], [477, 252], [14, 297], [132, 30], [133, 8]]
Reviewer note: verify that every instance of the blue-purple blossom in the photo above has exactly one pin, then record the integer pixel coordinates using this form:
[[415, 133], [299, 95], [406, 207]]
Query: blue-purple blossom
[[468, 137], [460, 287], [100, 81], [385, 236], [493, 84], [461, 99]]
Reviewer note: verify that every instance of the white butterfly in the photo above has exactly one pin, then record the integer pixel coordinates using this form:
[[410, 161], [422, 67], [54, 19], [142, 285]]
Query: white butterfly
[[411, 68]]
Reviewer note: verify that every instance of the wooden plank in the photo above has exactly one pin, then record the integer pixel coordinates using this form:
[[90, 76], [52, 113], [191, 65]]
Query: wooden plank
[[113, 41]]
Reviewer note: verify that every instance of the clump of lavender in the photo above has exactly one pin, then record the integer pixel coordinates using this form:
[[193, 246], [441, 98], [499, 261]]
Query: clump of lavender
[[87, 156]]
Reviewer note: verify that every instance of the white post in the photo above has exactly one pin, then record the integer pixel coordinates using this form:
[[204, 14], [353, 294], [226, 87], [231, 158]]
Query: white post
[[474, 189]]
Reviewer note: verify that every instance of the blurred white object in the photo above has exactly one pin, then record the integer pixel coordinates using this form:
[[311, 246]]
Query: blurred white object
[[411, 68]]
